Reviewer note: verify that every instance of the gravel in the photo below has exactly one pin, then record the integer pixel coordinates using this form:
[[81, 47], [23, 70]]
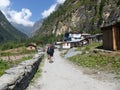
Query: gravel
[[63, 75], [72, 52]]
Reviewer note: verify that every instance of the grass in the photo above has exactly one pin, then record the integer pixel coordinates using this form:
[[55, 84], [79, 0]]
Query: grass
[[88, 47], [17, 51], [27, 57], [98, 60], [4, 65]]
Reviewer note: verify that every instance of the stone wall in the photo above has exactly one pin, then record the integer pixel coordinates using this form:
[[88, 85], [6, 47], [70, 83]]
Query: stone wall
[[18, 77]]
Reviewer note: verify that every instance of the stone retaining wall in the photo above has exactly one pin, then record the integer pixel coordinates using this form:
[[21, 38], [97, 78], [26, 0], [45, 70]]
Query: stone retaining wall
[[18, 77]]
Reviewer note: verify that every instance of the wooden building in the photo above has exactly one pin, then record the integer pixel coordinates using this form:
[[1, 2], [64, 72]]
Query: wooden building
[[31, 46], [111, 36]]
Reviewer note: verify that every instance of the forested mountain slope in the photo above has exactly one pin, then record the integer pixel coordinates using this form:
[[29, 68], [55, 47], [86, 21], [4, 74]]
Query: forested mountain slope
[[8, 32], [81, 15]]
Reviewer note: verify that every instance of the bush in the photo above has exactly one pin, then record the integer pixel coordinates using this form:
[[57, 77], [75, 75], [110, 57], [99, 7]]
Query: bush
[[10, 45], [3, 66], [97, 60]]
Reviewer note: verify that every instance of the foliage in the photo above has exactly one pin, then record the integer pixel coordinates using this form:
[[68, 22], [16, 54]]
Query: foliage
[[25, 51], [118, 3], [4, 65], [97, 60], [16, 51], [47, 38], [10, 45], [27, 57], [64, 12], [5, 53], [89, 47], [8, 32]]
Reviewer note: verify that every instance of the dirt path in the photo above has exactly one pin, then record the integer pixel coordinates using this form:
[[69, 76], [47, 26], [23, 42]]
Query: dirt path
[[61, 75]]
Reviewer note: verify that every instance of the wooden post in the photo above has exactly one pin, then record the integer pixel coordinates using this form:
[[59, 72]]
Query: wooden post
[[114, 38]]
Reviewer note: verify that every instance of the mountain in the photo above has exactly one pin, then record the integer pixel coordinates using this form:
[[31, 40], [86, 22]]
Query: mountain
[[80, 15], [36, 27], [24, 29], [8, 32]]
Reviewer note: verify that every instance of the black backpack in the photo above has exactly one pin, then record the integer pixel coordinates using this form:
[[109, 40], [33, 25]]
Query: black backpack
[[50, 49]]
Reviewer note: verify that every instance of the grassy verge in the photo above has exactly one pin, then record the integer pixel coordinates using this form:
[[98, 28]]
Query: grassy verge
[[98, 60], [89, 47], [10, 62], [17, 51], [4, 65], [27, 57]]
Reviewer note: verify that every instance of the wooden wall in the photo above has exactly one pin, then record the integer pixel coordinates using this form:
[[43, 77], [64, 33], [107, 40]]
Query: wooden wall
[[111, 37], [107, 38], [117, 37]]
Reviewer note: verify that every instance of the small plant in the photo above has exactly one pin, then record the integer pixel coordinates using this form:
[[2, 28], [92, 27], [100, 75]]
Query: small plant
[[5, 53], [27, 57], [4, 65]]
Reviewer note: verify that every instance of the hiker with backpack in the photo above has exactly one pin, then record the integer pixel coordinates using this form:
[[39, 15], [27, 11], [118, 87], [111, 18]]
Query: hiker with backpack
[[50, 51]]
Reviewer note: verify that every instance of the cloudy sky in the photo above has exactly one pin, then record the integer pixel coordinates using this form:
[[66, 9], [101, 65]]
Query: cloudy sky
[[27, 12]]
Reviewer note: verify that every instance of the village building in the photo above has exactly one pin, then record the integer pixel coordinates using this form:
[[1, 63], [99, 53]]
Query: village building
[[95, 38], [31, 46], [111, 36], [73, 39]]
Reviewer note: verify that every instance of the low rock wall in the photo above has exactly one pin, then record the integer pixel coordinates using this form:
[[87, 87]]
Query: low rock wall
[[19, 77]]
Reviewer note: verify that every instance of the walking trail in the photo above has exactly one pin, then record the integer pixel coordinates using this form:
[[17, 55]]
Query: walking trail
[[62, 75]]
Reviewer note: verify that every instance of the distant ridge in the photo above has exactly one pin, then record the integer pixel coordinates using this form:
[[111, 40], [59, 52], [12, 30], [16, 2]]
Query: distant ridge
[[8, 32], [36, 27], [24, 29]]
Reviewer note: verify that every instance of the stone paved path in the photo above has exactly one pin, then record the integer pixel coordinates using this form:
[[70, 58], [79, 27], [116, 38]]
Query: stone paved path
[[61, 75]]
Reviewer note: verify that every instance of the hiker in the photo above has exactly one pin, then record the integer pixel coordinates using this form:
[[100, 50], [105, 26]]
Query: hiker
[[50, 51]]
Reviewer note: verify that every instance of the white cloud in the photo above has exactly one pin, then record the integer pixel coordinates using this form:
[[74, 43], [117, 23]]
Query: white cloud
[[52, 8], [60, 1], [4, 4], [19, 17], [46, 13]]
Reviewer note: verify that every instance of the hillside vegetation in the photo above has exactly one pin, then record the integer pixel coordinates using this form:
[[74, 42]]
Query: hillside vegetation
[[8, 32], [80, 15]]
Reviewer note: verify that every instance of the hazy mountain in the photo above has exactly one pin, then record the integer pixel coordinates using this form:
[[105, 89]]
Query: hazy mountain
[[25, 29], [8, 32], [36, 27]]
